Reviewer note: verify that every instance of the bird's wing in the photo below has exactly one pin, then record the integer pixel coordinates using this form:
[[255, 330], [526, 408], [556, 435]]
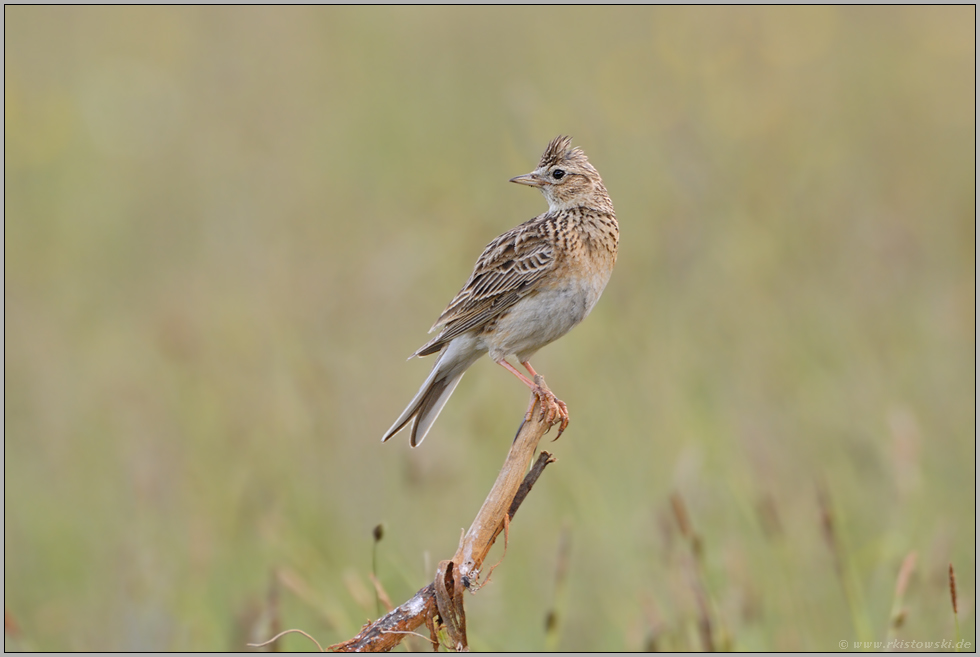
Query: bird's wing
[[505, 272]]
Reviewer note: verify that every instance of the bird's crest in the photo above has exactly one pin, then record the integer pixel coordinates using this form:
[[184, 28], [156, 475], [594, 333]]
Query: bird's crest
[[560, 150]]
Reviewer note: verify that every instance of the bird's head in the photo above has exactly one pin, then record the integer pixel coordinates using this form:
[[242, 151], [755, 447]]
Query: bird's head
[[565, 176]]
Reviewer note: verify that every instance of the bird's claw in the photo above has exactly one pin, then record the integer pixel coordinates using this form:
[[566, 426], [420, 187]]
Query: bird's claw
[[563, 414], [553, 410]]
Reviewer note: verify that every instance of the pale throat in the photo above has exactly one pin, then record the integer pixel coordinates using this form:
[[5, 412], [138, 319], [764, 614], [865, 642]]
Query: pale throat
[[555, 205]]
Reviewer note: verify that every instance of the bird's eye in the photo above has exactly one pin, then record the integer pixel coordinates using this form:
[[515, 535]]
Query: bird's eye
[[558, 174]]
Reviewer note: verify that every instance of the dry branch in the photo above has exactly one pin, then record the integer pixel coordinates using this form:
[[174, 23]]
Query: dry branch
[[440, 604]]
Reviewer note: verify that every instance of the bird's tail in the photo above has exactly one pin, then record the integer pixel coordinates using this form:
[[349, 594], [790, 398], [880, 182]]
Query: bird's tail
[[431, 397]]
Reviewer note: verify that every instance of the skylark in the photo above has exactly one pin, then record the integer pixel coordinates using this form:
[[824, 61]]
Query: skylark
[[529, 287]]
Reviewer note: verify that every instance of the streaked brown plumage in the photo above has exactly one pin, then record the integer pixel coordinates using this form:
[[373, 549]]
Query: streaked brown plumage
[[529, 287]]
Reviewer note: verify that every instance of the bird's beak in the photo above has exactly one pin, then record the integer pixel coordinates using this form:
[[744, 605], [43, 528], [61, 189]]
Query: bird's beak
[[529, 179]]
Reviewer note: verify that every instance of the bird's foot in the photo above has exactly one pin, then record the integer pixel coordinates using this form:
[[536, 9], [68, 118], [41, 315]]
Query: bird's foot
[[553, 410]]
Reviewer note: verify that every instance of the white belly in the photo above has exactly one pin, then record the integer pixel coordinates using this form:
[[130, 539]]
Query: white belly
[[542, 318]]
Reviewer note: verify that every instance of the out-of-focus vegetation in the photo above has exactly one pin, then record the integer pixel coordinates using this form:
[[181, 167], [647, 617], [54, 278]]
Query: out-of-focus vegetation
[[226, 228]]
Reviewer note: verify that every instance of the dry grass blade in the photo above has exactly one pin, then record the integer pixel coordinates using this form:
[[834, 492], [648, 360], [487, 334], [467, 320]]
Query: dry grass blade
[[952, 588], [956, 616], [378, 533], [684, 524], [383, 596], [553, 618], [282, 634], [696, 576], [845, 571], [898, 612], [10, 626]]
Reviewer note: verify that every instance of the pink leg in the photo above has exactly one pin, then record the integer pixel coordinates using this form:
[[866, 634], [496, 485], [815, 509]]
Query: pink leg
[[552, 408], [513, 370]]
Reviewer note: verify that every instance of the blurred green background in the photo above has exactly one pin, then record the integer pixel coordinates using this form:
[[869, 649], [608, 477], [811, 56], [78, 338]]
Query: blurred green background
[[226, 228]]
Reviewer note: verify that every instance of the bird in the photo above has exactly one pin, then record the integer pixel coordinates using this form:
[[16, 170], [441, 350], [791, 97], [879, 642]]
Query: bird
[[529, 287]]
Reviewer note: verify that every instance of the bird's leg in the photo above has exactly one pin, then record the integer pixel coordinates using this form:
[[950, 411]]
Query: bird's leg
[[552, 408], [527, 366], [562, 408], [513, 370]]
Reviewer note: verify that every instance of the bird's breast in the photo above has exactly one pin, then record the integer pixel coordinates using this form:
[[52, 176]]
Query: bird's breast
[[585, 247], [542, 317]]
